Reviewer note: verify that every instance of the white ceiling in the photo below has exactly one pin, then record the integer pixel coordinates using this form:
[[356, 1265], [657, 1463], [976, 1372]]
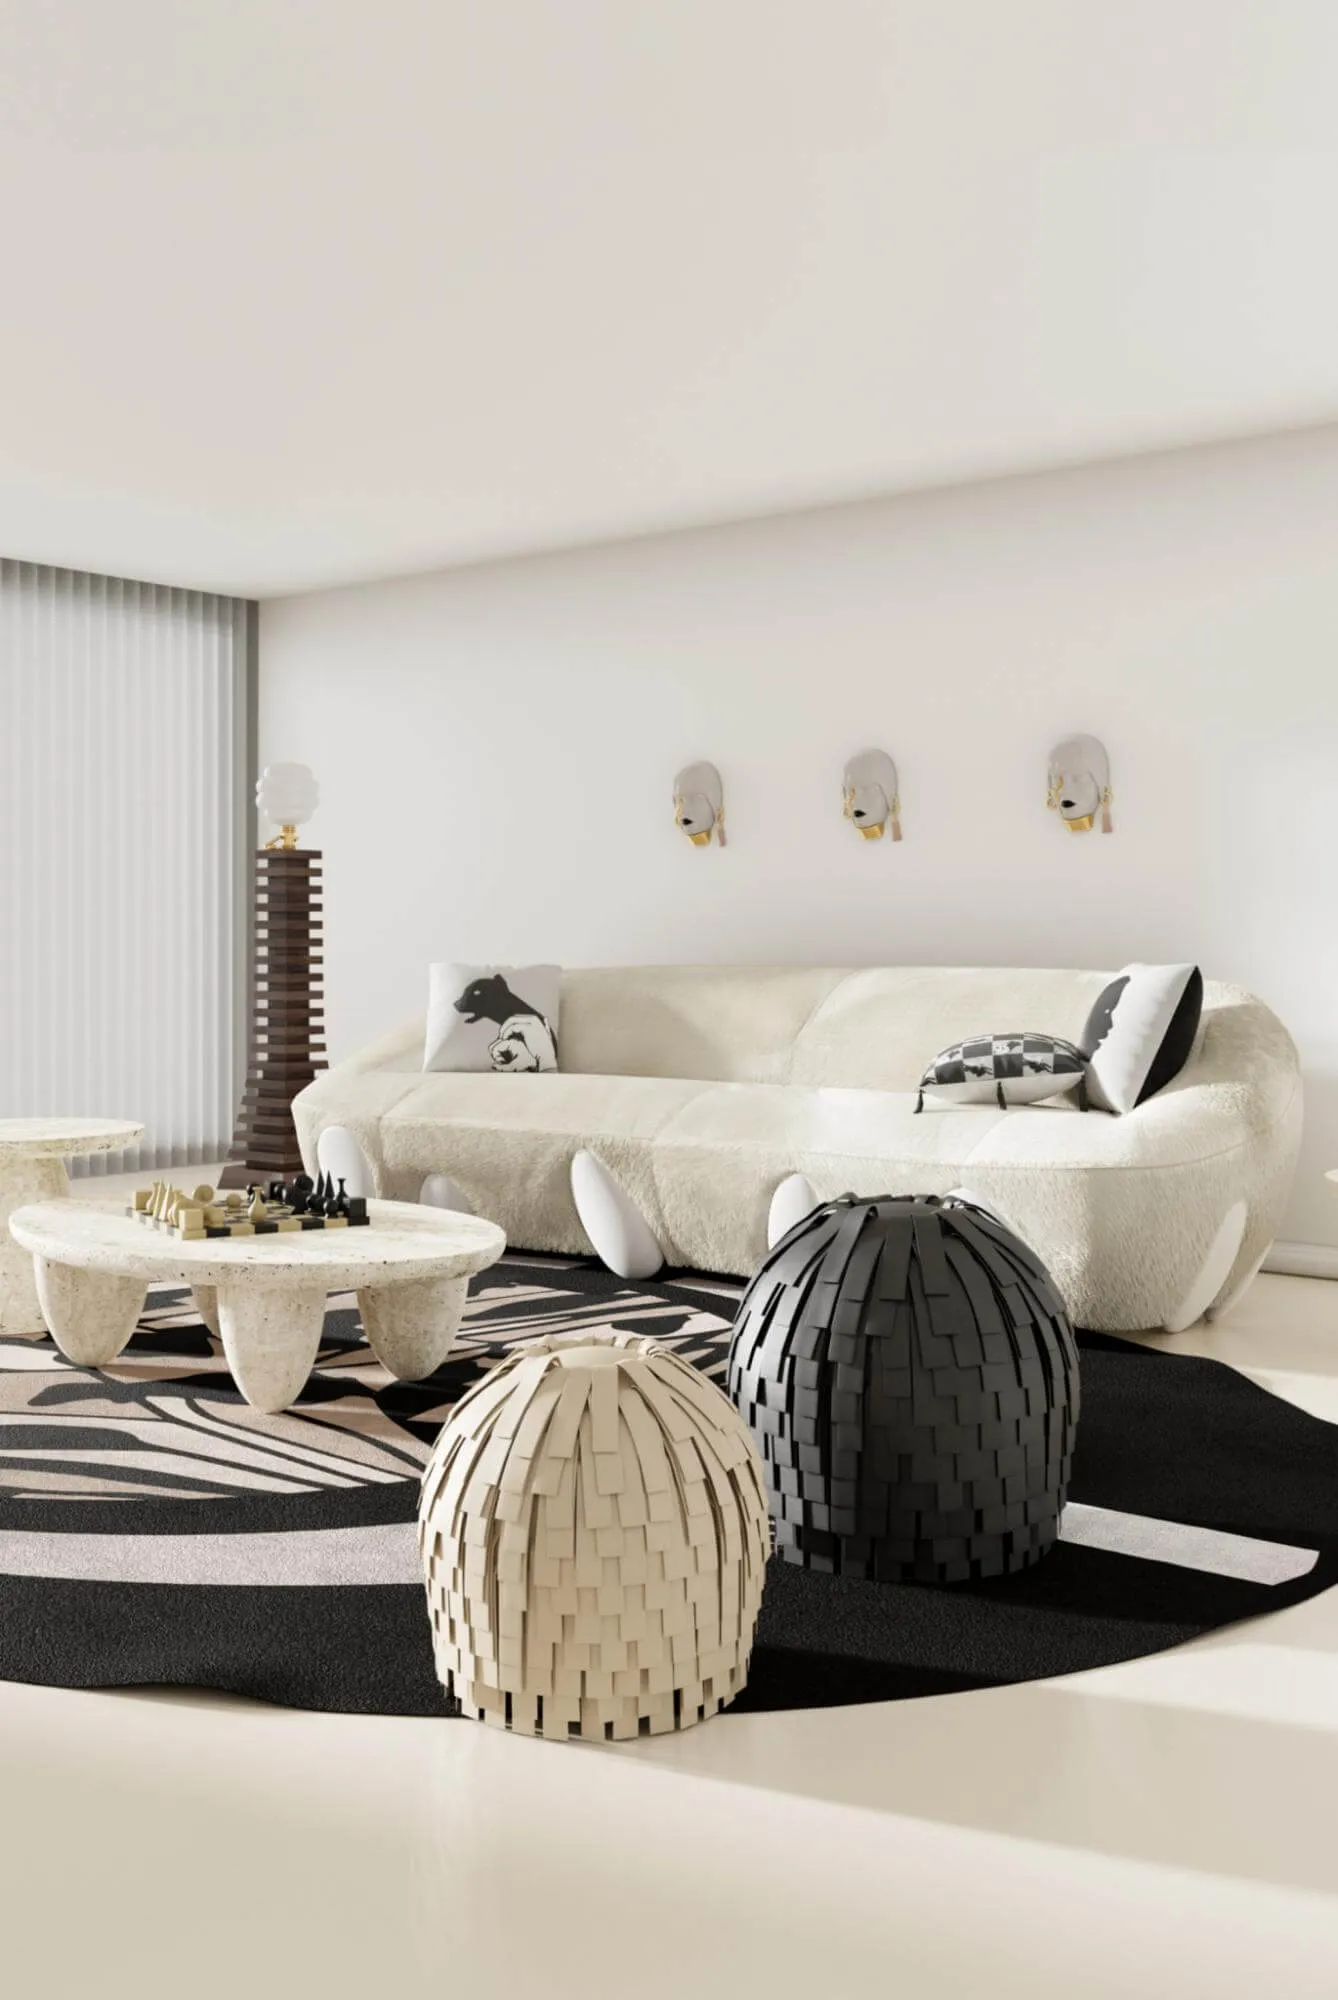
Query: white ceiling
[[304, 291]]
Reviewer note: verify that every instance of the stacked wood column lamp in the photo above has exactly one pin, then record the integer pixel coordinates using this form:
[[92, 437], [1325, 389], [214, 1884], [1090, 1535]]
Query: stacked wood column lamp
[[287, 1033]]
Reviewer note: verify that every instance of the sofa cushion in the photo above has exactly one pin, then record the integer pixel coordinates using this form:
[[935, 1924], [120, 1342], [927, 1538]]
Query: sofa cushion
[[1005, 1069], [1140, 1033], [492, 1017]]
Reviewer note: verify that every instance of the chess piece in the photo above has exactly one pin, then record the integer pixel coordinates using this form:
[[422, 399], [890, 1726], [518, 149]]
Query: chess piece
[[300, 1190], [203, 1196], [256, 1209], [340, 1202]]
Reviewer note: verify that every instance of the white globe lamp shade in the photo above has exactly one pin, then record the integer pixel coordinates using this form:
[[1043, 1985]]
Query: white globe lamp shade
[[287, 795]]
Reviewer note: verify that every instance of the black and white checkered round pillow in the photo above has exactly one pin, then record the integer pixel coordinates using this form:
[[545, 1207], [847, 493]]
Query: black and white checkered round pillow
[[1005, 1069]]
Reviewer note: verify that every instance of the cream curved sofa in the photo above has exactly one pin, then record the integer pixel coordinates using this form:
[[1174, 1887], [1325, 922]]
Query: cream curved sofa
[[702, 1087]]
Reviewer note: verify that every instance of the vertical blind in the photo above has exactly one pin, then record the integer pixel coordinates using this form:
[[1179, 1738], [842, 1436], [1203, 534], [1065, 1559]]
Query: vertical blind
[[124, 837]]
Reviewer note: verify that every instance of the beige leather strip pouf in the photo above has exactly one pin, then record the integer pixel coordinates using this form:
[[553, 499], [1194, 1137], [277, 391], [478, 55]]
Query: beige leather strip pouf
[[594, 1530]]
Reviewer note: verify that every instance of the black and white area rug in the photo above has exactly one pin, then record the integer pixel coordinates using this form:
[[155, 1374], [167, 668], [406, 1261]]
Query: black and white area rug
[[156, 1529]]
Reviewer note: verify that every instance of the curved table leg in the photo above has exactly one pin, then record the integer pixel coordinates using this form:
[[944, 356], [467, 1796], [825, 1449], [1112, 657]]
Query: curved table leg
[[270, 1336], [411, 1328], [23, 1180], [92, 1314], [206, 1305]]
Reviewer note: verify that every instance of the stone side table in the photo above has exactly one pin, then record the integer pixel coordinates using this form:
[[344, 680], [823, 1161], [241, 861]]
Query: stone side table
[[33, 1152], [264, 1296]]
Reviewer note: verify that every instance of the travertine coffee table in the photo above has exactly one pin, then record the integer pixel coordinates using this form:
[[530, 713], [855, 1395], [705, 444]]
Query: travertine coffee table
[[33, 1152], [264, 1295]]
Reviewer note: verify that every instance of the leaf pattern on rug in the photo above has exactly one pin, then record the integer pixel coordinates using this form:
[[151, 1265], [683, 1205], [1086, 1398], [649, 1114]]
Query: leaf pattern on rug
[[167, 1420]]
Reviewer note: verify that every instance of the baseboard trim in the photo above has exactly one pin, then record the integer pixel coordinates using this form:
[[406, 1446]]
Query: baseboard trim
[[1303, 1260]]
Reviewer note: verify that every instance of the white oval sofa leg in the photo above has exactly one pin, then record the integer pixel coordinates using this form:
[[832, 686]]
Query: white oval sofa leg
[[620, 1233], [1213, 1272], [795, 1198], [1239, 1289], [339, 1155], [440, 1191]]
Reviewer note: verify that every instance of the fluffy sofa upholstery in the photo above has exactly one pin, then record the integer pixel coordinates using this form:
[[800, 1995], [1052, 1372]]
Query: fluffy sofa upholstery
[[702, 1087]]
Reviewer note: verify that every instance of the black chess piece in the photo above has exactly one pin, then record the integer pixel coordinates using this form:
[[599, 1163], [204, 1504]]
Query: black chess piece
[[300, 1192], [340, 1202], [357, 1209], [276, 1192]]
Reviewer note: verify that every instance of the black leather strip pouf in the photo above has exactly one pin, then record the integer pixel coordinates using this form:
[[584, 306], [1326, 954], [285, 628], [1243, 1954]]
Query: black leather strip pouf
[[911, 1377]]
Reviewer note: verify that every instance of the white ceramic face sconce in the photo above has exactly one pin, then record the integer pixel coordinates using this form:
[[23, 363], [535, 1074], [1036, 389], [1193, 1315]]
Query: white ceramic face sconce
[[872, 795], [1079, 783], [699, 804]]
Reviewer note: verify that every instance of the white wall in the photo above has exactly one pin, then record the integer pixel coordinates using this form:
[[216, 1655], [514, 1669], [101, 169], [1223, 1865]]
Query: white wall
[[496, 745]]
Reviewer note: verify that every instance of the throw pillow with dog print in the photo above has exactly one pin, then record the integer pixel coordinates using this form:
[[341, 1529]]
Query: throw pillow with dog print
[[492, 1017]]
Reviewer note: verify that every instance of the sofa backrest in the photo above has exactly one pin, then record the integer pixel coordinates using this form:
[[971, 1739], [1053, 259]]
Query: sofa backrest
[[720, 1023], [874, 1029]]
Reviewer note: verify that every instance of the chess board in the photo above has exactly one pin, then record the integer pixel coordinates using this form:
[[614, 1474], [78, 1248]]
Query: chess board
[[205, 1214]]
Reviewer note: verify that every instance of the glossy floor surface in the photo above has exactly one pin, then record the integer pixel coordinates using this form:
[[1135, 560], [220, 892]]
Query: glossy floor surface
[[1162, 1828]]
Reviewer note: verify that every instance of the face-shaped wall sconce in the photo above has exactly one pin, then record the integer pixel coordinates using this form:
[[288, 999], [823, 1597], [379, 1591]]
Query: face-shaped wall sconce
[[1079, 784], [871, 795], [699, 804]]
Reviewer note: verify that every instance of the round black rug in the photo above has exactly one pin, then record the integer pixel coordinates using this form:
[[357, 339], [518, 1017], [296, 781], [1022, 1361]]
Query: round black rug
[[156, 1529]]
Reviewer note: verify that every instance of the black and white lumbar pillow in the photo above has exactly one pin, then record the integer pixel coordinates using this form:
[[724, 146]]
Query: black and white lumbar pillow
[[1140, 1033], [1004, 1070], [492, 1017]]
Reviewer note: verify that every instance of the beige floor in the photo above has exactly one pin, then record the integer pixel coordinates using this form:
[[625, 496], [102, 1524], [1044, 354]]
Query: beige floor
[[1164, 1828]]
